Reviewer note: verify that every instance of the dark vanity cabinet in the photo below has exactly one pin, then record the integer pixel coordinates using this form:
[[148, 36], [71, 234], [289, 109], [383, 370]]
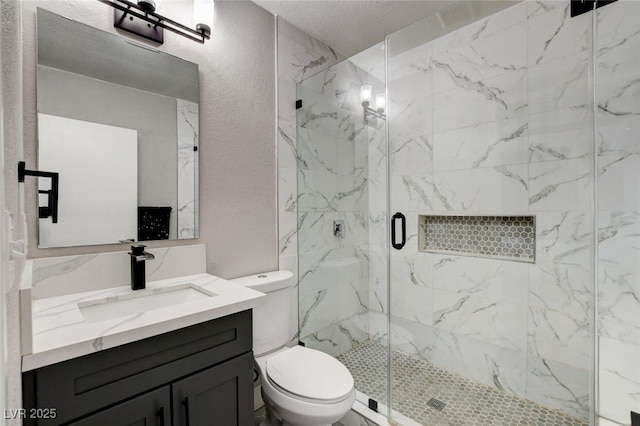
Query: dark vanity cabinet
[[195, 376]]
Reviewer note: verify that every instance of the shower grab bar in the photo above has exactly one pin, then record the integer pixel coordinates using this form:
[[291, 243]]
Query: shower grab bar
[[398, 215]]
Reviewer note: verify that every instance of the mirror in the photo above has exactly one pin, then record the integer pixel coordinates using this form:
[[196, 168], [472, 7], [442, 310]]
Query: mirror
[[119, 122]]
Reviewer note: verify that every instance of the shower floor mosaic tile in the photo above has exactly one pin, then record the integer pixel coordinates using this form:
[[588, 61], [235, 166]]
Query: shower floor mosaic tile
[[415, 382]]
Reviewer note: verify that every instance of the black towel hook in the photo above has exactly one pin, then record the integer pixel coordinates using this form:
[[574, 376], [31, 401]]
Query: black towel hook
[[51, 210]]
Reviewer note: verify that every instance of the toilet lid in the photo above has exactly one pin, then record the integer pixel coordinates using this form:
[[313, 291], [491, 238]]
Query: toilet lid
[[310, 373]]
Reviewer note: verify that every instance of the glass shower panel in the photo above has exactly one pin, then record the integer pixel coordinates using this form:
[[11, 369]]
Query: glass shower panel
[[490, 130], [342, 220], [618, 146]]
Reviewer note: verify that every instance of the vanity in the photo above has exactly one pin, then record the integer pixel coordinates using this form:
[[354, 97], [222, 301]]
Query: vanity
[[193, 375], [176, 353]]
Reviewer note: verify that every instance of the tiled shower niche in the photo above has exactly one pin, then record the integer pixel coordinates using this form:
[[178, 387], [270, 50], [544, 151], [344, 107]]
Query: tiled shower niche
[[497, 237]]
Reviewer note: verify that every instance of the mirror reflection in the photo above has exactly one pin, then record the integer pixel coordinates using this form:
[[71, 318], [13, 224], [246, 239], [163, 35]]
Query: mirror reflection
[[119, 122]]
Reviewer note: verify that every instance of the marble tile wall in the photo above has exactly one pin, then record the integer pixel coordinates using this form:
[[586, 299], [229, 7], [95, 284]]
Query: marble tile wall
[[299, 56], [54, 276], [618, 146], [494, 118], [377, 154]]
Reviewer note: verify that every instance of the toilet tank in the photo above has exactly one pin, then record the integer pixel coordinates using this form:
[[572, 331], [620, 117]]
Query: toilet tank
[[271, 318]]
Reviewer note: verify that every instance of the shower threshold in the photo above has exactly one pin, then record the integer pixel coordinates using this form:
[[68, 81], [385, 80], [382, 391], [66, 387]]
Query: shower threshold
[[416, 382]]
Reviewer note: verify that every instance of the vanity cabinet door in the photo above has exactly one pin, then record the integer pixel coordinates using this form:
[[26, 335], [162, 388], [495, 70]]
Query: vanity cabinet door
[[219, 396], [151, 409]]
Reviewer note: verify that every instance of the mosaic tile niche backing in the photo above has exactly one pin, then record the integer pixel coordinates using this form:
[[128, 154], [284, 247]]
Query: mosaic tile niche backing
[[500, 237]]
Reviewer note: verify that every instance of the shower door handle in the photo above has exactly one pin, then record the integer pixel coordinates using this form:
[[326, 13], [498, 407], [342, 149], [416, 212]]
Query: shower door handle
[[403, 222]]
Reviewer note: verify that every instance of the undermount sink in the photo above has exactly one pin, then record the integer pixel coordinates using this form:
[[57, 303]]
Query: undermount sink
[[141, 301]]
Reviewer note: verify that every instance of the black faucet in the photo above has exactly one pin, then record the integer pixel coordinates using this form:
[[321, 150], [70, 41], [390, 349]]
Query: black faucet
[[138, 256]]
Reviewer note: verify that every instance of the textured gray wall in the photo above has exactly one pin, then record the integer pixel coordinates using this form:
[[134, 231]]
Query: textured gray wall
[[12, 268], [238, 214]]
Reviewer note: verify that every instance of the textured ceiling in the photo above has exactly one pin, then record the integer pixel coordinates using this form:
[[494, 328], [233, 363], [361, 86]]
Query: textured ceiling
[[352, 26]]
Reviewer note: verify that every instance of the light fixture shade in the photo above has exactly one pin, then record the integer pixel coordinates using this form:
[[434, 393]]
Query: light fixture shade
[[381, 101], [203, 15], [366, 93]]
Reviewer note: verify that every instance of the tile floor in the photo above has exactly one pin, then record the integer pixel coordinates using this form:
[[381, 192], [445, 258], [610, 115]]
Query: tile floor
[[259, 416], [416, 381]]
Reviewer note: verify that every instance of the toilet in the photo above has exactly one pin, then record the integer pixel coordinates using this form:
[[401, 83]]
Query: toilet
[[300, 386]]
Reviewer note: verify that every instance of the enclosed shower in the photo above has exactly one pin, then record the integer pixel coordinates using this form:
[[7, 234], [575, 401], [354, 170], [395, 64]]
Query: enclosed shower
[[468, 216]]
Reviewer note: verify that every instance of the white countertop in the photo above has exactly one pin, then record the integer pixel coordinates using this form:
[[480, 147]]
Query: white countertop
[[60, 332]]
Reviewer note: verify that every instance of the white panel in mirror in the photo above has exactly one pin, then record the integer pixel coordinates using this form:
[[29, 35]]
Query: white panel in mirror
[[98, 167]]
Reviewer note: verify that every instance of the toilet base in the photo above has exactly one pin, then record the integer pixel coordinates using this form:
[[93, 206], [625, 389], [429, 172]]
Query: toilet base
[[273, 420]]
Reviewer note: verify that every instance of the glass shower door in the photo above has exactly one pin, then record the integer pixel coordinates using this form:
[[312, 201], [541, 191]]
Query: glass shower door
[[342, 222], [618, 128], [490, 170], [446, 235]]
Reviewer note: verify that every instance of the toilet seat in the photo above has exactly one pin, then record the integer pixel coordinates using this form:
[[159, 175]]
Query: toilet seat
[[309, 375]]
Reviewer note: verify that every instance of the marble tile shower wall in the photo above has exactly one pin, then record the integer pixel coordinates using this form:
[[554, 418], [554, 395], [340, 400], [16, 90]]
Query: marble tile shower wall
[[494, 118], [299, 56], [618, 149]]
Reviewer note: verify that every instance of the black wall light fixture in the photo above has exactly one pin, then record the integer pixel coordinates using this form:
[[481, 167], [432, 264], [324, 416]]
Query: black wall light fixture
[[140, 18]]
